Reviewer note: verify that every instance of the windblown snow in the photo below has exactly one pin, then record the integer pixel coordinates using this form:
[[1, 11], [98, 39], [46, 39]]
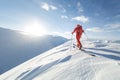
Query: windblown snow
[[16, 48], [67, 63]]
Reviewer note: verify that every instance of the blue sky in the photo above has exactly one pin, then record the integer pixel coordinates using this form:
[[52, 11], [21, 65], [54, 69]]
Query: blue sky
[[99, 18]]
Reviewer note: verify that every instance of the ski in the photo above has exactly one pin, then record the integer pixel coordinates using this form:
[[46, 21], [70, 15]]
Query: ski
[[82, 49], [92, 55], [74, 46], [89, 53]]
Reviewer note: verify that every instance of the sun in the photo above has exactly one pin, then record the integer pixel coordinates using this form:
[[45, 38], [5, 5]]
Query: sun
[[34, 31], [34, 28]]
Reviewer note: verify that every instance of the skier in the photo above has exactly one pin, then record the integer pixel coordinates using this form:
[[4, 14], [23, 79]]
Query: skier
[[78, 30]]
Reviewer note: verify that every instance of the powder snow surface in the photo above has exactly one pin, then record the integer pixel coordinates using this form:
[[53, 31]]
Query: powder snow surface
[[67, 63]]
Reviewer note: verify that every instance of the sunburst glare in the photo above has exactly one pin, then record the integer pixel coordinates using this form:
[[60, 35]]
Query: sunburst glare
[[34, 28]]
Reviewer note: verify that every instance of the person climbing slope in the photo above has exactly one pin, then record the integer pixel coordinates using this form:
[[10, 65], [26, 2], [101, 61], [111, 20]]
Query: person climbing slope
[[78, 30]]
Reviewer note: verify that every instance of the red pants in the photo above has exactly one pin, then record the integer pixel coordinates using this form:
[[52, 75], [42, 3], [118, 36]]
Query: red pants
[[79, 45]]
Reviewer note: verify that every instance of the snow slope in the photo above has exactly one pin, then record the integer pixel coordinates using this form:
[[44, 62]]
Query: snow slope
[[67, 63], [19, 48]]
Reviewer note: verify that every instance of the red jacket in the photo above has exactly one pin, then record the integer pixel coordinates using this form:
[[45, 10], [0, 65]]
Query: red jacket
[[78, 29]]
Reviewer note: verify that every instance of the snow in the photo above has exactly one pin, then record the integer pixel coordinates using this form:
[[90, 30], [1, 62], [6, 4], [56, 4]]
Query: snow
[[19, 48], [67, 63]]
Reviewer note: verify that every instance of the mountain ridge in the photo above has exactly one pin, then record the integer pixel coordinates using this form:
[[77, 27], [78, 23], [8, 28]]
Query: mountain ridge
[[19, 48]]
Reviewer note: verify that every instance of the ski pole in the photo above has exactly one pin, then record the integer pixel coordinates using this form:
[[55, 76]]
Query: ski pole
[[71, 42], [89, 39], [86, 36]]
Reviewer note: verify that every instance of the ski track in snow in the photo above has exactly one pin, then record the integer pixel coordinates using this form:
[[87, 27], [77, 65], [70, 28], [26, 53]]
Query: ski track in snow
[[66, 63]]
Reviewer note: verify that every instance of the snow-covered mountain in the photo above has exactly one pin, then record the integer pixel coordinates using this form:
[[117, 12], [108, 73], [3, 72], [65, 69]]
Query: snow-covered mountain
[[67, 63], [16, 48]]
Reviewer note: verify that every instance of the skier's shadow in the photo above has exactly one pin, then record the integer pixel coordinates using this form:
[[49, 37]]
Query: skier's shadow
[[111, 56]]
